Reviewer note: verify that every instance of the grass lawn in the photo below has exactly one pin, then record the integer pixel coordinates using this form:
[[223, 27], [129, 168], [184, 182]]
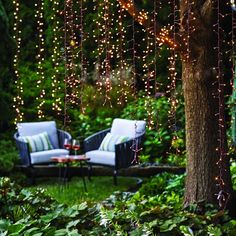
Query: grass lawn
[[73, 191]]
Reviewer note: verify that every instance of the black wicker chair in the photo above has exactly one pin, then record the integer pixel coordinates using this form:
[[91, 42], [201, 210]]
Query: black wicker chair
[[26, 157], [124, 152]]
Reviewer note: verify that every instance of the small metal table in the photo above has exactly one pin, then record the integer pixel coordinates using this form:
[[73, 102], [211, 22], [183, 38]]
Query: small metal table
[[70, 159]]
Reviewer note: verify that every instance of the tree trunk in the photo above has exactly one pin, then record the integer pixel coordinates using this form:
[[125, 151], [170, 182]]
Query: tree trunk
[[197, 43], [200, 85]]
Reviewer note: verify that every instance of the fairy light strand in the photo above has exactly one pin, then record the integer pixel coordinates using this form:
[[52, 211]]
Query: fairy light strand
[[173, 100], [83, 71], [40, 57], [97, 35], [162, 34], [18, 100], [222, 196], [71, 80], [56, 56], [108, 52]]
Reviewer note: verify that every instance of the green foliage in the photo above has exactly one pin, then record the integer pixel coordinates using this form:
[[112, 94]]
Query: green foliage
[[155, 209], [159, 143], [8, 156], [233, 173]]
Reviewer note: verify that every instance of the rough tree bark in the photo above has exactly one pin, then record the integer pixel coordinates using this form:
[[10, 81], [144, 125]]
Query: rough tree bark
[[200, 86], [199, 58]]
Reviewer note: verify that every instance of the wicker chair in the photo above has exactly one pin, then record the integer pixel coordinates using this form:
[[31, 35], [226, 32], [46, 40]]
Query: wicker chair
[[123, 155], [31, 159]]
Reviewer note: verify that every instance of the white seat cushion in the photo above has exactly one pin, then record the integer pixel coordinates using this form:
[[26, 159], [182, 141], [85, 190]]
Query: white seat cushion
[[33, 128], [45, 156], [127, 127], [101, 157]]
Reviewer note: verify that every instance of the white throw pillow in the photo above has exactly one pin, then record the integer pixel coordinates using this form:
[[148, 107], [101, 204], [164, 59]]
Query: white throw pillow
[[109, 142], [38, 142]]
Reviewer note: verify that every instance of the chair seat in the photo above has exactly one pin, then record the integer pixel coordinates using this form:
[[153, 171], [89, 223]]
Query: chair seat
[[101, 157], [45, 156]]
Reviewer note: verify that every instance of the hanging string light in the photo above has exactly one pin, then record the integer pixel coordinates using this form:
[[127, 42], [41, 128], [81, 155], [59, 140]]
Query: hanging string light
[[40, 57], [122, 67], [173, 100], [104, 50], [71, 80], [108, 51], [83, 62], [18, 100], [222, 196], [233, 3], [56, 56], [162, 34], [134, 57]]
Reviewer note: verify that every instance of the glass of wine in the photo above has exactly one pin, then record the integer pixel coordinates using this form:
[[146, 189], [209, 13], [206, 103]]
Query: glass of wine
[[75, 145], [67, 144]]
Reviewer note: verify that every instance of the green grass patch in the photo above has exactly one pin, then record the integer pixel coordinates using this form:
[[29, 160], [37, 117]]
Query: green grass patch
[[73, 191]]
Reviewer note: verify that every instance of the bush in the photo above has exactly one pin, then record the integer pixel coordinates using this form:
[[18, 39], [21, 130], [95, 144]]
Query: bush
[[160, 141], [8, 156]]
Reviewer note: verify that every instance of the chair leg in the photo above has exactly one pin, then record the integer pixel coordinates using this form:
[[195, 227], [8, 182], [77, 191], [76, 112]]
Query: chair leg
[[89, 172], [32, 175], [115, 177]]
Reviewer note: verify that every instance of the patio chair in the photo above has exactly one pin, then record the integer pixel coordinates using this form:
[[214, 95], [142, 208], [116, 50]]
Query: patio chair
[[113, 147], [37, 142]]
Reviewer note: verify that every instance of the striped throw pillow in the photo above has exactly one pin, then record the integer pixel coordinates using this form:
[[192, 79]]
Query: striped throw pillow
[[109, 142], [39, 142]]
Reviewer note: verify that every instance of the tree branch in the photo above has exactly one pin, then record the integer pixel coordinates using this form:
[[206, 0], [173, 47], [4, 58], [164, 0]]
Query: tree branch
[[162, 34]]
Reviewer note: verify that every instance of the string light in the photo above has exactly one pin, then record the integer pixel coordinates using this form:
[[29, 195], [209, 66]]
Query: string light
[[122, 67], [161, 34], [222, 196], [233, 3], [18, 101], [134, 56], [56, 57], [70, 56], [108, 51], [173, 100], [40, 57], [233, 80], [83, 69]]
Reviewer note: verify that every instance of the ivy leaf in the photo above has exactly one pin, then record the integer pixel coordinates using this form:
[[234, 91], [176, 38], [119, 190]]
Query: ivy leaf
[[32, 231], [82, 206], [214, 231], [72, 223], [15, 229], [61, 232], [4, 224], [186, 230], [168, 225]]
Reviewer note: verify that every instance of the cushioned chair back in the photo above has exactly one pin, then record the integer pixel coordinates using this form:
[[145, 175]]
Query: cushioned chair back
[[127, 127], [32, 128]]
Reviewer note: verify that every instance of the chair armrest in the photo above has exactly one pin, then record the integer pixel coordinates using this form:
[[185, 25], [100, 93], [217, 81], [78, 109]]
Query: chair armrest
[[62, 135], [124, 152], [23, 148], [93, 142]]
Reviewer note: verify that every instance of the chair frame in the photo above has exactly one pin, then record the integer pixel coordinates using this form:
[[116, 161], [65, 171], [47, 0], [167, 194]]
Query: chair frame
[[24, 150], [124, 155]]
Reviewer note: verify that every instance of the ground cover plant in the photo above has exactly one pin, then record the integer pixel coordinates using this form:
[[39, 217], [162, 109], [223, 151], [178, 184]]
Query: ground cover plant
[[156, 209]]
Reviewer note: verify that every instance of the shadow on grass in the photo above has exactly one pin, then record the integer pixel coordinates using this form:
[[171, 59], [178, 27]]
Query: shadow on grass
[[73, 192]]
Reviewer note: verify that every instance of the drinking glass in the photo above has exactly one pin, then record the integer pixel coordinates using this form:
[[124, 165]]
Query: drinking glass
[[75, 145], [67, 144]]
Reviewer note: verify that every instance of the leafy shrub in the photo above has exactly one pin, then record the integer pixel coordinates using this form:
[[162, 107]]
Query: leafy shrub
[[156, 209], [8, 156], [159, 138]]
